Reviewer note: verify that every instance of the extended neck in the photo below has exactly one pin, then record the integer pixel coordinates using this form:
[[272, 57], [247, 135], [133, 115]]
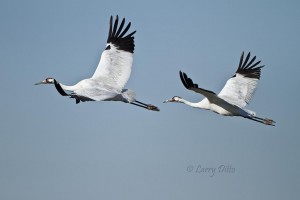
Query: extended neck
[[202, 104], [66, 87], [61, 88]]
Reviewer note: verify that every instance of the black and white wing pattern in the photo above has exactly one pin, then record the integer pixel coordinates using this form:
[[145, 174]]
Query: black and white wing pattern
[[211, 96], [190, 85], [240, 88], [115, 65]]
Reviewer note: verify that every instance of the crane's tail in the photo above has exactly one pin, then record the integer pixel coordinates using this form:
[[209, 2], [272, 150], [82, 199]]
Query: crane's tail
[[265, 121]]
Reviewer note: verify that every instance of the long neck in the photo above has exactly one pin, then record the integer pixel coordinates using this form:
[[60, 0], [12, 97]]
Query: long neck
[[202, 104], [66, 87]]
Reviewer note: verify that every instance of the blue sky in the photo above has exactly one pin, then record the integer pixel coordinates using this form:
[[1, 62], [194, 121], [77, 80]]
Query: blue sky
[[51, 148]]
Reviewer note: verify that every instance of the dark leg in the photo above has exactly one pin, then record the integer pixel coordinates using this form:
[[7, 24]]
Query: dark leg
[[141, 103], [138, 105], [265, 121], [146, 106]]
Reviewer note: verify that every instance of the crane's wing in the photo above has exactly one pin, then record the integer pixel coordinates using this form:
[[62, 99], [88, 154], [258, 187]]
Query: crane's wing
[[240, 88], [115, 64], [211, 96], [72, 95]]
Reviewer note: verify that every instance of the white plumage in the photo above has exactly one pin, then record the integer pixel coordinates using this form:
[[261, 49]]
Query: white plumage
[[235, 95], [112, 73]]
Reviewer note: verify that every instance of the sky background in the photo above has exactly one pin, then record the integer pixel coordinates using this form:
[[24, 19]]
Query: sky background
[[51, 148]]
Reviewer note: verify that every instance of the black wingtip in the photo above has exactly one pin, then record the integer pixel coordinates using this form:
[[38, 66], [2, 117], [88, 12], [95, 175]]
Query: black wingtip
[[248, 69], [246, 60], [241, 59], [117, 36], [182, 78], [189, 84], [186, 81]]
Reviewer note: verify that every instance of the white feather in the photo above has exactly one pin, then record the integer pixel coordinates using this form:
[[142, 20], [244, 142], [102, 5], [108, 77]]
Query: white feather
[[235, 95], [112, 72], [239, 90], [114, 67]]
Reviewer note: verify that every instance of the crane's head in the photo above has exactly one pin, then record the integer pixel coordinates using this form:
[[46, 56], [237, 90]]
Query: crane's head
[[46, 81], [174, 99]]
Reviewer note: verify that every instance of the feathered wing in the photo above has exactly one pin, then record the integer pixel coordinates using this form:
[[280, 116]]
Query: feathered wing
[[240, 88], [72, 95], [211, 96], [116, 60]]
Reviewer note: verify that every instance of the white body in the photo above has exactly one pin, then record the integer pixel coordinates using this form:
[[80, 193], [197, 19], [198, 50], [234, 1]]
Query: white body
[[235, 95], [109, 79], [112, 72]]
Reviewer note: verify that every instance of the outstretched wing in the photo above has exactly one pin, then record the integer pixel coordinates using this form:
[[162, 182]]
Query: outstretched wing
[[72, 95], [115, 64], [211, 96], [190, 85], [240, 88]]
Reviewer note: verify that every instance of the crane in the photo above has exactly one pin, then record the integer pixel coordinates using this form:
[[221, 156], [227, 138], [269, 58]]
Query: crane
[[234, 96], [112, 72]]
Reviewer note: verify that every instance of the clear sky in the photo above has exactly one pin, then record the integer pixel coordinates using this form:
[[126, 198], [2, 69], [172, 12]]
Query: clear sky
[[51, 148]]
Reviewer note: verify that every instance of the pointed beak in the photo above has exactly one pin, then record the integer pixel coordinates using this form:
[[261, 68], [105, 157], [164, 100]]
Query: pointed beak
[[41, 82], [166, 101]]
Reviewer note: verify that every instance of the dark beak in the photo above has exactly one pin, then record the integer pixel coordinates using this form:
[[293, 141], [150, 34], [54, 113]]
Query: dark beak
[[41, 82], [169, 100]]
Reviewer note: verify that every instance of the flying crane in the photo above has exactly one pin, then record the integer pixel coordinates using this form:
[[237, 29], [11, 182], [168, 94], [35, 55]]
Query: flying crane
[[112, 73]]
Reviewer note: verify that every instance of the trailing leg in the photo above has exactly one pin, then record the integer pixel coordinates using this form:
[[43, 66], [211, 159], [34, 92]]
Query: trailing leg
[[146, 106]]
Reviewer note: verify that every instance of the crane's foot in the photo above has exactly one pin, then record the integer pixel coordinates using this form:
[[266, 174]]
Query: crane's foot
[[152, 107], [269, 122]]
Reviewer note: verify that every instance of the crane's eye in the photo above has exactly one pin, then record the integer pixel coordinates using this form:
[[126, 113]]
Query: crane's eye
[[49, 80], [176, 98]]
